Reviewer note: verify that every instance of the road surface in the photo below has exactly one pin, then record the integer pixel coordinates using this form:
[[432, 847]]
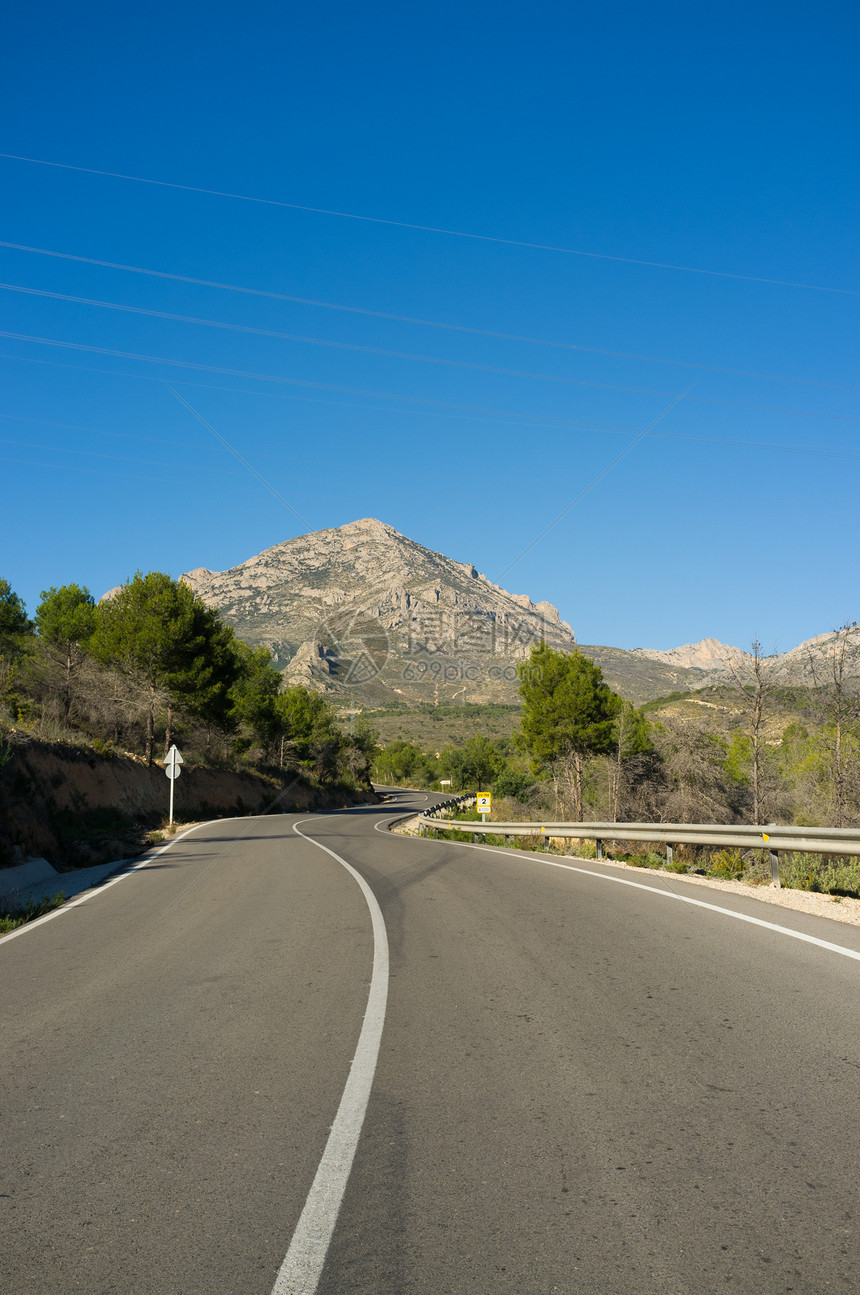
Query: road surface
[[581, 1085]]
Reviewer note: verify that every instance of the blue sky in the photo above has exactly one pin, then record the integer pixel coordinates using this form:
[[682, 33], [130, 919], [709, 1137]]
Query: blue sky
[[630, 138]]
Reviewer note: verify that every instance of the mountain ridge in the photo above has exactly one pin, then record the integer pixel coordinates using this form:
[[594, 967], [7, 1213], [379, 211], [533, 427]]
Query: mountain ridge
[[367, 614], [361, 606]]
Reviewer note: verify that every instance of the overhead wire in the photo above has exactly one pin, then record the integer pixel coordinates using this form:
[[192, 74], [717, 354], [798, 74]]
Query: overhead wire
[[237, 455], [319, 341], [165, 480], [774, 447], [448, 406], [121, 458], [438, 229], [586, 489], [403, 319], [417, 320], [478, 414], [264, 377]]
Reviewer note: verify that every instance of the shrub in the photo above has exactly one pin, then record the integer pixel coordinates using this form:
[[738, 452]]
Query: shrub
[[800, 871], [584, 849], [513, 785], [11, 918], [648, 859], [841, 878], [729, 865], [679, 864]]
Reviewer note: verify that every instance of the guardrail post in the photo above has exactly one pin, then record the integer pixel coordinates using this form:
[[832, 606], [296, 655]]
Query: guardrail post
[[670, 855], [774, 869], [507, 838], [598, 849], [435, 834], [475, 838]]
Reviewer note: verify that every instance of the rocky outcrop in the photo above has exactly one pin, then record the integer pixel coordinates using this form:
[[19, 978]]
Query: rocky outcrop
[[362, 607], [709, 654], [810, 663], [372, 618]]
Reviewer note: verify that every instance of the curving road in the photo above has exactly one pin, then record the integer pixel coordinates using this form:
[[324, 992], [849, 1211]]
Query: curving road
[[581, 1085]]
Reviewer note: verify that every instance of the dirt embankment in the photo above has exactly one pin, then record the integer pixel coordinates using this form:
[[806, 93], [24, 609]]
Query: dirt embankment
[[75, 808]]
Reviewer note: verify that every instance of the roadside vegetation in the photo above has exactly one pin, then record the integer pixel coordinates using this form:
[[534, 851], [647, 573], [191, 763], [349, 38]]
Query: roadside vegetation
[[820, 874], [16, 915], [153, 665], [751, 753], [432, 727]]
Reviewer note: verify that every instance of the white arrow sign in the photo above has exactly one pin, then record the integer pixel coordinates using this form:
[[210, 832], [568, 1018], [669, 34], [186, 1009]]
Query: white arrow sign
[[172, 761]]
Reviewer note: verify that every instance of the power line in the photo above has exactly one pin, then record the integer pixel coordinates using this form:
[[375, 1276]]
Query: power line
[[163, 480], [321, 341], [238, 456], [436, 229], [773, 447], [410, 319], [448, 406], [304, 382], [593, 483], [292, 458]]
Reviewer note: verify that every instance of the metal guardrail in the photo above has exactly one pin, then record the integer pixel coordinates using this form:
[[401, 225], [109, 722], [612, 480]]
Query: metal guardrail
[[774, 839], [450, 803]]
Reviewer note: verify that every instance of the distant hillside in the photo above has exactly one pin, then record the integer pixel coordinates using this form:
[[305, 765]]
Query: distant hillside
[[369, 616], [376, 620], [808, 665], [638, 676], [720, 708]]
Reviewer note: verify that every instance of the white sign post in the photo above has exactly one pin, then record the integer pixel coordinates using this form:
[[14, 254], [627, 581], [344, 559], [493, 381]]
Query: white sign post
[[172, 761]]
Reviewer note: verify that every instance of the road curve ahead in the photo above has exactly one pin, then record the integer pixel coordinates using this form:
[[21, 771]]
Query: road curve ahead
[[581, 1086]]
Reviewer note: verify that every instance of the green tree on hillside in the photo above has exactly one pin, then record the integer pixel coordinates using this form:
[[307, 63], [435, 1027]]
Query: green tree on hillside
[[158, 628], [311, 725], [14, 630], [13, 615], [403, 764], [358, 751], [631, 749], [568, 713], [66, 621], [474, 765], [254, 698]]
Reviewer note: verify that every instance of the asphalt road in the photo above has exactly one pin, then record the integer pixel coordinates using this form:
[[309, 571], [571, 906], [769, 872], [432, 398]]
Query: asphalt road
[[582, 1086]]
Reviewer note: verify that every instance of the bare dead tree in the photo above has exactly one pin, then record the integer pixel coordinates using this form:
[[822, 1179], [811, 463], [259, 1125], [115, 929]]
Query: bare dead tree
[[116, 702], [694, 789], [755, 681], [837, 686]]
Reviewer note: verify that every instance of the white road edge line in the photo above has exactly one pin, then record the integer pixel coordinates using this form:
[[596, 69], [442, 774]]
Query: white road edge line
[[665, 894], [300, 1272], [100, 887]]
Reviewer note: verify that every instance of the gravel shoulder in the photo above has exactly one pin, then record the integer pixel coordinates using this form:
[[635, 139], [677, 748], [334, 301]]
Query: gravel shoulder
[[838, 909]]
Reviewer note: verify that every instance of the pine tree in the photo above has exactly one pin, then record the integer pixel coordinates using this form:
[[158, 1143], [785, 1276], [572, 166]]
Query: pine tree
[[158, 628], [66, 621], [568, 713]]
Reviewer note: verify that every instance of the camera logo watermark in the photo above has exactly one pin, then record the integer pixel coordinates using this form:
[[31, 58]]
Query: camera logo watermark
[[435, 646], [356, 645]]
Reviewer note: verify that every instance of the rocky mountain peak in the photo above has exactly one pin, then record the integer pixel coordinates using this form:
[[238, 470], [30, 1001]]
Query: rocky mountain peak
[[707, 654], [420, 623]]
